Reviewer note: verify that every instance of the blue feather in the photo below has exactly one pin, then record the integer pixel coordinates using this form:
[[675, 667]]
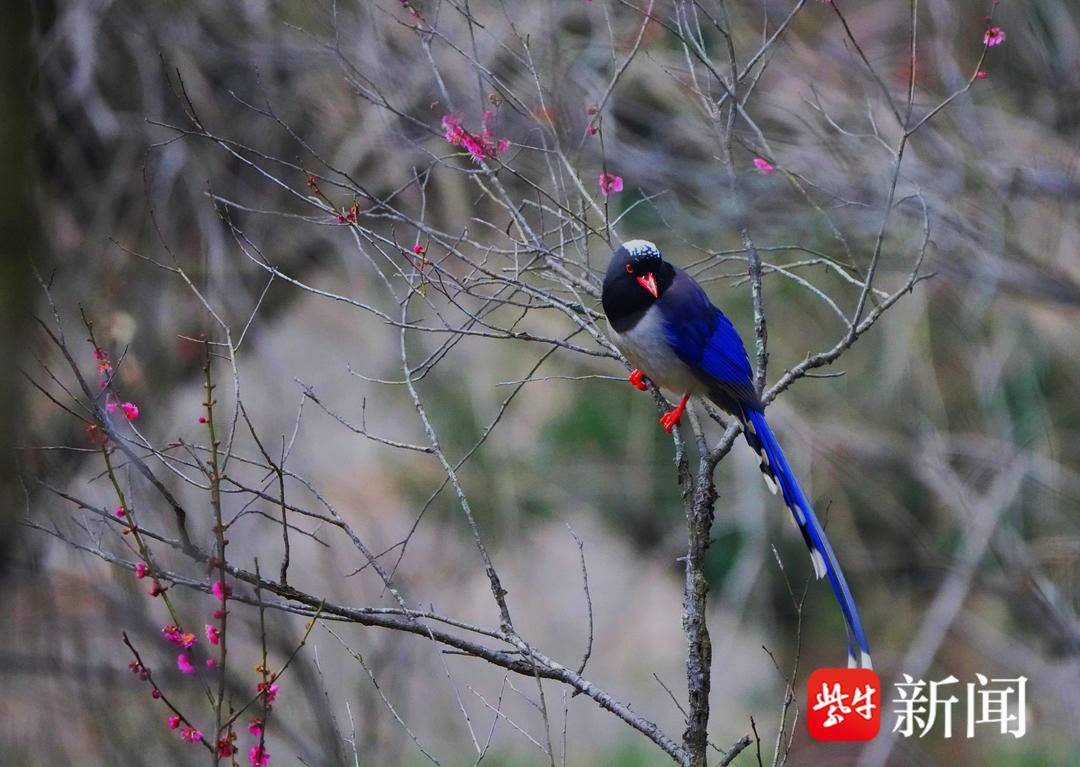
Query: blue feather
[[858, 647]]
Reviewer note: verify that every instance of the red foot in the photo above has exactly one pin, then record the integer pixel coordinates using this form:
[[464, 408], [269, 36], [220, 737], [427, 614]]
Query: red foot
[[670, 419], [637, 380]]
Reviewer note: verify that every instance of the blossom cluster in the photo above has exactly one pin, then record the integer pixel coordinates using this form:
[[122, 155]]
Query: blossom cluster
[[176, 636], [481, 146]]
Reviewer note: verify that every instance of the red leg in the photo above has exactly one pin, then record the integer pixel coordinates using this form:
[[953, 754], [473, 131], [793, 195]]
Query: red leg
[[670, 419], [637, 380]]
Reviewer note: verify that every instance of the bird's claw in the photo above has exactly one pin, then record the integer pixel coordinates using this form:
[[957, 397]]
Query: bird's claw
[[637, 380], [670, 419]]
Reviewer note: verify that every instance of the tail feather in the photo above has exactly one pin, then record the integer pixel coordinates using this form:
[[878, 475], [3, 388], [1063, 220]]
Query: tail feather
[[778, 473]]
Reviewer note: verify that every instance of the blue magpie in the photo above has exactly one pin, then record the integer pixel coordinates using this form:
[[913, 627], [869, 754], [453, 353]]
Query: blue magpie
[[662, 321]]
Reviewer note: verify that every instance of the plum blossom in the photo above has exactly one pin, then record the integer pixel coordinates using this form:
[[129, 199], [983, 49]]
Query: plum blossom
[[255, 727], [190, 735], [141, 570], [120, 512], [267, 689], [174, 722], [258, 756], [610, 184], [763, 166], [130, 411], [220, 590], [183, 638], [981, 74], [213, 636], [104, 366], [184, 664], [482, 146], [993, 36]]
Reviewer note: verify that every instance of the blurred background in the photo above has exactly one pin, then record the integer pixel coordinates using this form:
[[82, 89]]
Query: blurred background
[[945, 457]]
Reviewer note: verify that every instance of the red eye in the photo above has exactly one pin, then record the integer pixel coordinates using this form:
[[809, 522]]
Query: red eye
[[629, 269]]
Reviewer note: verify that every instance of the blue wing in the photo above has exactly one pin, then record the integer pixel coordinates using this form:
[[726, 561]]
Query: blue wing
[[704, 338]]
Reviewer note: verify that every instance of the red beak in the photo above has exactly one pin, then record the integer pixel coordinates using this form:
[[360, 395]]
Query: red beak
[[649, 283]]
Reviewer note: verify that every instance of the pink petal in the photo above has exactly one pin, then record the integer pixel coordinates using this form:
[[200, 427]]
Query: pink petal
[[184, 664], [764, 166], [993, 36]]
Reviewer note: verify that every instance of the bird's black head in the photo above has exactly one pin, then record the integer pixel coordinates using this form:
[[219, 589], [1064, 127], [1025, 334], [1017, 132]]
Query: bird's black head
[[636, 278]]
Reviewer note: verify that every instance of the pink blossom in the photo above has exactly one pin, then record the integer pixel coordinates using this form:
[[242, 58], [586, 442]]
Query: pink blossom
[[482, 146], [219, 614], [120, 512], [764, 166], [213, 636], [155, 694], [220, 590], [190, 735], [418, 249], [452, 130], [268, 690], [184, 664], [981, 74], [140, 570], [130, 410], [258, 756], [110, 406], [610, 184], [174, 722], [211, 663], [255, 727], [176, 636], [993, 36], [104, 366], [225, 747], [202, 419]]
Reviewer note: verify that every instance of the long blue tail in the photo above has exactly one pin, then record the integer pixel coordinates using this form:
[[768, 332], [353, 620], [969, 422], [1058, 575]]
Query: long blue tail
[[777, 472]]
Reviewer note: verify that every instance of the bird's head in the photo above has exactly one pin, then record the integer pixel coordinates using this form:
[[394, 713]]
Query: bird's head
[[637, 276]]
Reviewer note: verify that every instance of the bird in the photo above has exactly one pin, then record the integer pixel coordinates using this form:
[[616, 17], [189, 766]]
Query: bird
[[663, 322]]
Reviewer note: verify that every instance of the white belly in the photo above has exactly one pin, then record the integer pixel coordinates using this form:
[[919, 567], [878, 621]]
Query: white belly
[[648, 350]]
